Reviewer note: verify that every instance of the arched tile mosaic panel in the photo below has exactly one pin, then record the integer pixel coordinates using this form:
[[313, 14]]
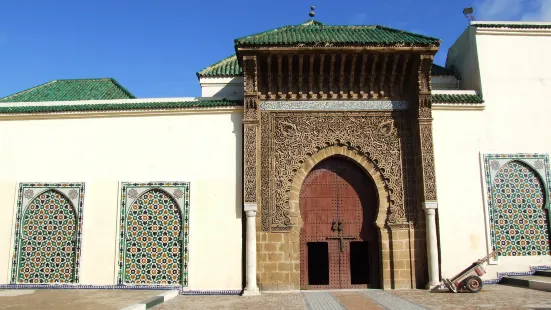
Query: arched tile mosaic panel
[[154, 233], [518, 203], [47, 233]]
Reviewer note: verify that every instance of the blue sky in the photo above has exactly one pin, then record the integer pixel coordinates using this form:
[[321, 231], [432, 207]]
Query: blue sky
[[155, 47]]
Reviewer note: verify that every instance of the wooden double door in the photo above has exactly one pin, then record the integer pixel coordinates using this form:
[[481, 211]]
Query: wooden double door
[[339, 243]]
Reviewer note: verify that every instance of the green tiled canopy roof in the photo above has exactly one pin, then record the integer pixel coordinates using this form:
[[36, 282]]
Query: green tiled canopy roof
[[457, 98], [72, 90], [229, 67], [316, 33], [224, 68]]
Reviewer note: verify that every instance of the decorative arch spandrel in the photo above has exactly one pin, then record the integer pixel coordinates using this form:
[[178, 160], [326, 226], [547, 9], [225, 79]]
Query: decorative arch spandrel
[[291, 139]]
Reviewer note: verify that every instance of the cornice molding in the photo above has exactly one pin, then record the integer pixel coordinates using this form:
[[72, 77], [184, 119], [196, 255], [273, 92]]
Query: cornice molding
[[119, 113]]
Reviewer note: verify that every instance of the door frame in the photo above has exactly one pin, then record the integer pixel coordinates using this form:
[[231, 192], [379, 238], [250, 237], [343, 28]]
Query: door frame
[[333, 245]]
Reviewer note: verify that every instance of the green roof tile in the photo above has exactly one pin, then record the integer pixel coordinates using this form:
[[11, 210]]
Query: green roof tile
[[514, 26], [457, 99], [72, 90], [316, 33], [229, 67], [119, 106]]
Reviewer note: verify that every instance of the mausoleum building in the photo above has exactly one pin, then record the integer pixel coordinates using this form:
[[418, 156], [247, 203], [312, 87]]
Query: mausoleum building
[[317, 157]]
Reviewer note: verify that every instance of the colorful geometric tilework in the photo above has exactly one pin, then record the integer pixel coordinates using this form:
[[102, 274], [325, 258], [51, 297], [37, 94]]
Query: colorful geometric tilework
[[154, 233], [47, 233], [518, 203]]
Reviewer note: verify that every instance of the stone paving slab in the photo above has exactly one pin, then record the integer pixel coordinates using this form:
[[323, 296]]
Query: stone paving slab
[[390, 301], [491, 297], [322, 301], [355, 301], [266, 301], [63, 299]]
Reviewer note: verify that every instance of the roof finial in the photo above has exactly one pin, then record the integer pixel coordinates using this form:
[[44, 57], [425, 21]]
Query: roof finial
[[312, 13]]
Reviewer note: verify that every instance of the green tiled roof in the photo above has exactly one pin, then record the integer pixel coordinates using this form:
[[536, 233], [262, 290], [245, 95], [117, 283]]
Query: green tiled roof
[[229, 67], [513, 26], [457, 99], [224, 68], [119, 106], [440, 71], [319, 34], [72, 90]]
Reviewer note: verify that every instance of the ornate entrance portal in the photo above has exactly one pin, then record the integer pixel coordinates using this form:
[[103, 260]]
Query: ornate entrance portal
[[311, 94], [338, 241]]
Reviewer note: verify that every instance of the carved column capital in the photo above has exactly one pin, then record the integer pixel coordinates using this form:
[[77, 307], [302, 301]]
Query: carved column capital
[[424, 73], [425, 107], [400, 226], [250, 74], [250, 108]]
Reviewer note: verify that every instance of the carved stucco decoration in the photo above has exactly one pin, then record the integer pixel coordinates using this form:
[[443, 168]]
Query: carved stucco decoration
[[288, 139], [425, 127], [250, 108], [250, 128], [249, 72], [250, 163], [428, 161], [424, 74]]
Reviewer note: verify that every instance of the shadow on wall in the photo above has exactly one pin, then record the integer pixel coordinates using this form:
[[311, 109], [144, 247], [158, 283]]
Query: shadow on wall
[[231, 90], [236, 119]]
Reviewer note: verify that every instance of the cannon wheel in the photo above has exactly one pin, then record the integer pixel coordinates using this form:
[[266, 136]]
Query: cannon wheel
[[473, 284]]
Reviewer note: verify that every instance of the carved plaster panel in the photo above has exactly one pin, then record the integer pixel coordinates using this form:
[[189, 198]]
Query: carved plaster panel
[[289, 139], [250, 163], [427, 152], [324, 105]]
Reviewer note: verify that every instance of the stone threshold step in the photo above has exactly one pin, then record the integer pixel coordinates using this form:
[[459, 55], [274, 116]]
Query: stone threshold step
[[542, 283], [544, 273]]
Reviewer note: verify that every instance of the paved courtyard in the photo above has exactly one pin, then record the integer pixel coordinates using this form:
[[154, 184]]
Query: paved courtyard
[[491, 297], [72, 299]]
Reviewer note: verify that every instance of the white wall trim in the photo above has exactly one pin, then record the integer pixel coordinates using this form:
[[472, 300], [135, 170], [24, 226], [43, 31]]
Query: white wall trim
[[454, 92], [83, 227], [458, 107], [118, 233], [12, 235], [502, 22], [221, 80], [513, 32], [486, 206]]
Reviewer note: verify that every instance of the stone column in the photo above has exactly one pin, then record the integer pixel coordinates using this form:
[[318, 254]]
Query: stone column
[[251, 289], [425, 163], [250, 171], [432, 243]]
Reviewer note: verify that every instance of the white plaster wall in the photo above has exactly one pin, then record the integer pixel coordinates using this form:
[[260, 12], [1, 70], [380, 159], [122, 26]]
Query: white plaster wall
[[457, 141], [462, 57], [203, 149], [445, 82], [516, 120], [229, 87]]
